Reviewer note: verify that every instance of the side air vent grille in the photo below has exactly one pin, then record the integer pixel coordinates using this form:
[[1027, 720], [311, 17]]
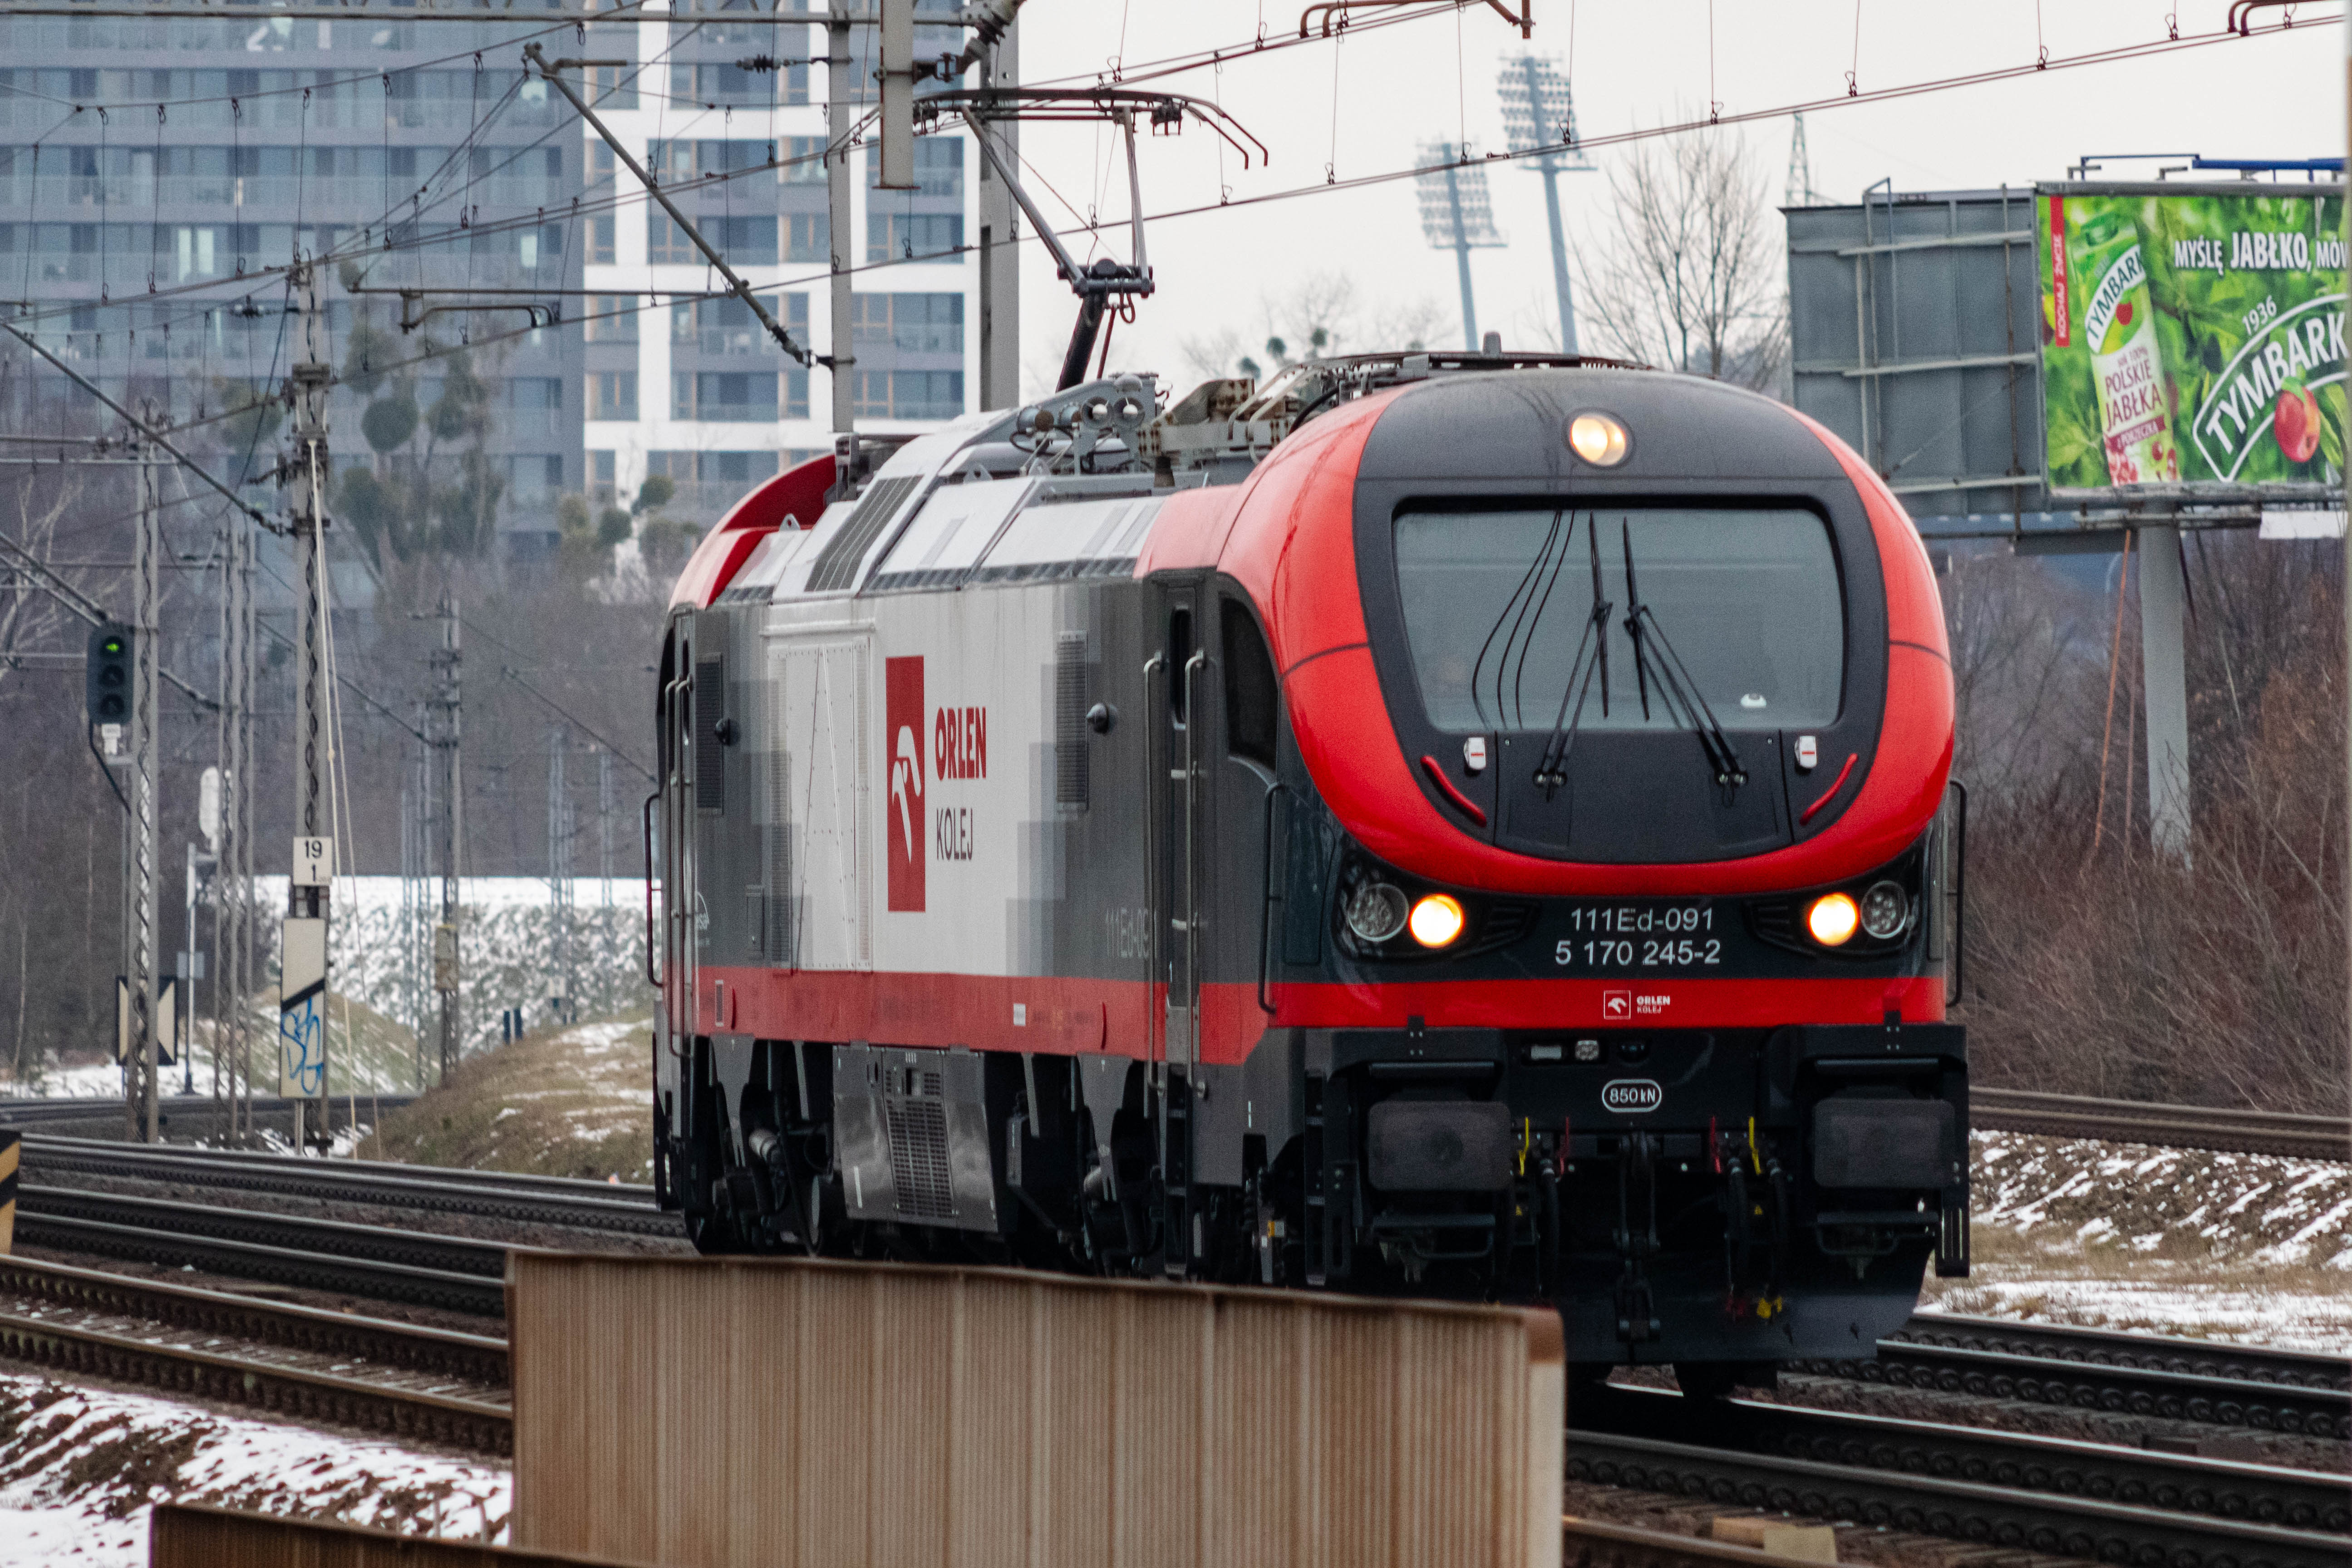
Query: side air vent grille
[[1070, 780], [710, 757], [919, 1158], [837, 563]]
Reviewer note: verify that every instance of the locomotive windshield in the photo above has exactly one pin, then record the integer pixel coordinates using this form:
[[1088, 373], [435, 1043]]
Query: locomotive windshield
[[1497, 603]]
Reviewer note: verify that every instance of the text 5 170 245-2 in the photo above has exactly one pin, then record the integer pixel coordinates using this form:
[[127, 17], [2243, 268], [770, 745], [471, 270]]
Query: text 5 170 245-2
[[1638, 953]]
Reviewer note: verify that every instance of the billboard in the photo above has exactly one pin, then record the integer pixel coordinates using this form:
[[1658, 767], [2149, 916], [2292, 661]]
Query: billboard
[[2192, 340]]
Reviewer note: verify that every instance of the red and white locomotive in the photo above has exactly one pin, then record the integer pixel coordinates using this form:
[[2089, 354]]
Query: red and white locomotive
[[1459, 824]]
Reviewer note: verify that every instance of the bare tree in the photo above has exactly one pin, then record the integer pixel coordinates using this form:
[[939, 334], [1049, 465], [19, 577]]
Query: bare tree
[[1319, 315], [1689, 274]]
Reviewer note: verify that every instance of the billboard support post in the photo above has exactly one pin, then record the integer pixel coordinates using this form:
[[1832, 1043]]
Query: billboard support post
[[2162, 603]]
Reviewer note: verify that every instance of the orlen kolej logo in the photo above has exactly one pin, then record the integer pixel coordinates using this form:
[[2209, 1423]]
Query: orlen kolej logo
[[902, 752], [1632, 1095]]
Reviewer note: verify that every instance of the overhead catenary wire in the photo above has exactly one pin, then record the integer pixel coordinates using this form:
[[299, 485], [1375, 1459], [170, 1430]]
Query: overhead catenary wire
[[2117, 54]]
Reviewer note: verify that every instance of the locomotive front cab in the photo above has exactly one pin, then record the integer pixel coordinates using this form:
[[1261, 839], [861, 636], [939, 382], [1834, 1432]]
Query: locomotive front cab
[[1672, 725]]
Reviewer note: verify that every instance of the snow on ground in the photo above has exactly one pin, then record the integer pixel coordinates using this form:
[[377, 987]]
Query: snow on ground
[[381, 962], [2246, 1249], [80, 1469]]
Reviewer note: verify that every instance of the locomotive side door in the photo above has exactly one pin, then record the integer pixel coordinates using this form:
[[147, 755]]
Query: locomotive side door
[[1174, 677], [1179, 679]]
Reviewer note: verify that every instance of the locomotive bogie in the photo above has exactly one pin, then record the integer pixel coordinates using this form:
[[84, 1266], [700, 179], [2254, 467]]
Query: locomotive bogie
[[1117, 873]]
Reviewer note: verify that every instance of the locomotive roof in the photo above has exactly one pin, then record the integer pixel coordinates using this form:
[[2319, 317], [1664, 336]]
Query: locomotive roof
[[1067, 487]]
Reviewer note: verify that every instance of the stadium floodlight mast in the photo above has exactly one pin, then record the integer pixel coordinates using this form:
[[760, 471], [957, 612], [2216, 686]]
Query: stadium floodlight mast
[[1456, 215], [1539, 121]]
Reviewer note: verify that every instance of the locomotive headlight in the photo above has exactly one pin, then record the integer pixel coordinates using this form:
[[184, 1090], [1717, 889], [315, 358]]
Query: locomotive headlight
[[1376, 912], [1884, 910], [1436, 921], [1598, 439], [1832, 919]]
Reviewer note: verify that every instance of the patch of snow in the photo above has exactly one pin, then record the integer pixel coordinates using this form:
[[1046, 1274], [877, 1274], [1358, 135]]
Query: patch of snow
[[83, 1465]]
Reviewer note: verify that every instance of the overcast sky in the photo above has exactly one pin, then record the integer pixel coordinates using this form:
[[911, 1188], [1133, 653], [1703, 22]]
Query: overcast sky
[[1362, 105]]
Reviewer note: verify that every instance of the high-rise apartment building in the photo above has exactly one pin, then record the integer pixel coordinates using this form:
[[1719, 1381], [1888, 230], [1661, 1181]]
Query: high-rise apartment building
[[728, 110], [149, 166], [157, 175]]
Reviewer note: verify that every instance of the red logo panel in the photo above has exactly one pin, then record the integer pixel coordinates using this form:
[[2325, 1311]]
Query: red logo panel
[[902, 755]]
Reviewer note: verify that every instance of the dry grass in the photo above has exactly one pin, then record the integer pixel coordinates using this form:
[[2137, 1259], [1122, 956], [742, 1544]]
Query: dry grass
[[575, 1102], [2096, 965]]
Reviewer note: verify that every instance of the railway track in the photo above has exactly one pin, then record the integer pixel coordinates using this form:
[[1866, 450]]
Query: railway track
[[455, 1273], [1980, 1512], [2130, 1374], [524, 1200], [2218, 1489], [39, 1328], [104, 1113], [2170, 1126]]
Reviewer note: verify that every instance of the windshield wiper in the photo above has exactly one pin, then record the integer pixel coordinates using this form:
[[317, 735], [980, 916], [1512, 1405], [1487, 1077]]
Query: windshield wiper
[[1678, 691], [1551, 769], [1516, 610]]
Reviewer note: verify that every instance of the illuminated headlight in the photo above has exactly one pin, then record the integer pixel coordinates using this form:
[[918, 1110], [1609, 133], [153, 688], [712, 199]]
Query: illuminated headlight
[[1377, 911], [1598, 439], [1832, 919], [1436, 921], [1884, 911]]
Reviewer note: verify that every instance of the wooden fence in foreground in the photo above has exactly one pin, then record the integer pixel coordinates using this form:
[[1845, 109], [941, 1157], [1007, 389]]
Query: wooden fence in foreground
[[793, 1414]]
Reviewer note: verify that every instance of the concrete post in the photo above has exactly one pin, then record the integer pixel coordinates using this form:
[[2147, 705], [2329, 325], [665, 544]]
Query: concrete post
[[2162, 601]]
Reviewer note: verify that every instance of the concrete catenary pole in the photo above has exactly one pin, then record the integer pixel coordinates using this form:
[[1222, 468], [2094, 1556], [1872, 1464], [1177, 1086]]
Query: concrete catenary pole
[[448, 696], [840, 114], [147, 567], [2347, 904], [308, 898], [1000, 242]]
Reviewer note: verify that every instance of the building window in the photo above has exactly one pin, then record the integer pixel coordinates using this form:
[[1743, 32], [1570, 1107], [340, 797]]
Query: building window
[[534, 481], [806, 237], [801, 160], [611, 319], [600, 241], [909, 393], [913, 236], [707, 483], [728, 327], [535, 405], [743, 241], [938, 167], [914, 323], [602, 166], [613, 87], [612, 395], [796, 403], [675, 163], [604, 479], [729, 397]]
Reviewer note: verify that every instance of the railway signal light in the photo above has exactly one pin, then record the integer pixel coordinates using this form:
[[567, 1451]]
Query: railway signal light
[[107, 674]]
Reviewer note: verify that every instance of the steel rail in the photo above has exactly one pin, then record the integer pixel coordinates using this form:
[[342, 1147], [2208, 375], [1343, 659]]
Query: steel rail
[[513, 1181], [479, 1359], [2025, 1462], [317, 1396], [2115, 1347], [380, 1185], [291, 1256], [2148, 1390], [1973, 1511], [2166, 1126], [35, 1111]]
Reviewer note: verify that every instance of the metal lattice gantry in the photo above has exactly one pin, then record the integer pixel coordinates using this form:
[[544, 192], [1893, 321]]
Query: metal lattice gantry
[[1457, 214], [1539, 124]]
